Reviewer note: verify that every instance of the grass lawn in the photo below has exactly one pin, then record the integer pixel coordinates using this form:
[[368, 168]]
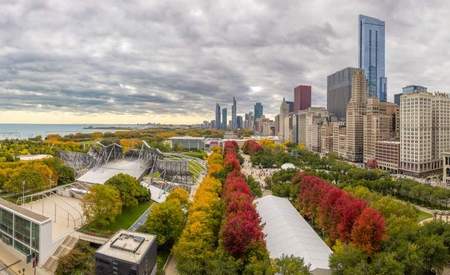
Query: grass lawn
[[123, 221], [163, 254], [423, 215]]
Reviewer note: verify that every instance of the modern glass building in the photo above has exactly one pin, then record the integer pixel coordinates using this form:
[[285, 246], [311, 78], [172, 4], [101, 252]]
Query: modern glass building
[[224, 118], [258, 110], [371, 55], [24, 232], [339, 91], [233, 114], [218, 120]]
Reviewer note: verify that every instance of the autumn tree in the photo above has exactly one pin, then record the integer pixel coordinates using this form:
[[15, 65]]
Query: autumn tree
[[131, 191], [368, 230], [291, 265], [102, 204]]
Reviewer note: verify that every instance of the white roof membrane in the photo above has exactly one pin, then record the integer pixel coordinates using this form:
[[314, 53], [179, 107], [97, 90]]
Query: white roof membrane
[[288, 233], [100, 175]]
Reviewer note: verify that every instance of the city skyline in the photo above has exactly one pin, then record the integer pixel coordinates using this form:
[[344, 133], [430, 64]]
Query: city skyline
[[56, 72]]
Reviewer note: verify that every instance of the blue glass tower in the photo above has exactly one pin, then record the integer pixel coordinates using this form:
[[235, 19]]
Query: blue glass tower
[[258, 110], [371, 55]]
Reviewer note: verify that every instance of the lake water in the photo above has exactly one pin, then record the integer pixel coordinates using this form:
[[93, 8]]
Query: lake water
[[23, 131]]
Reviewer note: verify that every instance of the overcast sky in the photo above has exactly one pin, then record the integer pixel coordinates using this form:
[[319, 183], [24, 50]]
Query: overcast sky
[[143, 61]]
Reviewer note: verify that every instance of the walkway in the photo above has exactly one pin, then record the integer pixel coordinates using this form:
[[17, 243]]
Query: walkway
[[259, 174]]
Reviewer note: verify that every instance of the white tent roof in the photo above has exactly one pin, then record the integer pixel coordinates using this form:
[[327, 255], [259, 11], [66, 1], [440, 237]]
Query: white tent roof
[[288, 233], [288, 166]]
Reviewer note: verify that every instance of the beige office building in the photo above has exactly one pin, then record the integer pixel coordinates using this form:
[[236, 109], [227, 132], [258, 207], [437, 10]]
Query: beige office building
[[379, 124], [355, 117], [425, 132], [387, 155]]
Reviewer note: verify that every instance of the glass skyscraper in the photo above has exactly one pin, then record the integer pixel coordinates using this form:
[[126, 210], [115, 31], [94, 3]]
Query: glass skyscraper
[[371, 55], [258, 110]]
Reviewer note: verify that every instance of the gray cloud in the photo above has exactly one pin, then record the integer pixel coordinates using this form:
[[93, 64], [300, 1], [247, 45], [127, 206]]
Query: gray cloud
[[182, 56]]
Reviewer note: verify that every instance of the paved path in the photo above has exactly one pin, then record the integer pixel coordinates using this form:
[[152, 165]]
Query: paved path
[[141, 220], [171, 267], [259, 174]]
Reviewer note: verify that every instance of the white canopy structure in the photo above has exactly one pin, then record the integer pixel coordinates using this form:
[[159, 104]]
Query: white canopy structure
[[288, 233], [287, 166]]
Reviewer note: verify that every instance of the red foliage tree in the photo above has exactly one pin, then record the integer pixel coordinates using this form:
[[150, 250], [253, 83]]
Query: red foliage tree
[[239, 231], [368, 230], [238, 201], [349, 211], [251, 147]]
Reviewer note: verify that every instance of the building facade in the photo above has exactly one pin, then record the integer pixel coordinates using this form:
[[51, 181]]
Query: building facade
[[339, 91], [387, 155], [218, 120], [302, 97], [425, 132], [409, 90], [372, 55], [446, 169], [234, 114], [355, 118], [259, 110], [224, 118], [379, 124]]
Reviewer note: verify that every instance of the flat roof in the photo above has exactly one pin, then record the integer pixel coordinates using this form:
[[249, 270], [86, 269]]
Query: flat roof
[[187, 137], [25, 213], [288, 233], [99, 175], [127, 246]]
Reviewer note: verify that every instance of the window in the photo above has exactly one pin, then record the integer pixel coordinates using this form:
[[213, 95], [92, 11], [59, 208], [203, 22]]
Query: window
[[6, 221], [22, 230]]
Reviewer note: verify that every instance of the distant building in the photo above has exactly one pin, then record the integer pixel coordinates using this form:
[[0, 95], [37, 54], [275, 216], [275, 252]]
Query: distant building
[[302, 97], [339, 91], [372, 55], [258, 110], [408, 90], [355, 118], [224, 118], [285, 120], [239, 122], [127, 253], [187, 142], [446, 170], [233, 114], [218, 119], [424, 132]]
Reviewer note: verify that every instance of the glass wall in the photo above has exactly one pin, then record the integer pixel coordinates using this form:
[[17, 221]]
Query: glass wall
[[18, 232]]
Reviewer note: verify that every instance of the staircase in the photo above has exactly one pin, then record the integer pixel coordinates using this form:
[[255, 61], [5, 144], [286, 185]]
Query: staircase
[[64, 249]]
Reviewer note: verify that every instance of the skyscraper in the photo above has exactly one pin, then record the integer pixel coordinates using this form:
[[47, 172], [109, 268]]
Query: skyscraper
[[224, 118], [339, 91], [233, 114], [218, 120], [302, 97], [371, 55], [258, 110], [355, 118]]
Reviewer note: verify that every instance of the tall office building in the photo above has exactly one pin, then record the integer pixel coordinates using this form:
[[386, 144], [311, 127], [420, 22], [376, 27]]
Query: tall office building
[[233, 114], [425, 132], [355, 112], [302, 97], [258, 110], [224, 118], [218, 120], [409, 90], [285, 109], [371, 55], [339, 91], [239, 122]]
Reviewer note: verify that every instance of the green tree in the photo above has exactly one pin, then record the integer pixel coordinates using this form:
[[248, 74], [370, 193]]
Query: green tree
[[131, 191], [166, 221], [348, 259], [222, 263], [102, 204], [81, 260], [385, 264], [291, 265]]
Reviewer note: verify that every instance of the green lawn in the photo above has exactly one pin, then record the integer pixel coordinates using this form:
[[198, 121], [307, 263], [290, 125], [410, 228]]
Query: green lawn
[[423, 215], [123, 221]]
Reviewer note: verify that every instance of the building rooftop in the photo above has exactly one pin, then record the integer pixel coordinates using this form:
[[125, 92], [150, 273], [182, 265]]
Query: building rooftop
[[288, 233], [187, 137], [127, 246], [28, 214]]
